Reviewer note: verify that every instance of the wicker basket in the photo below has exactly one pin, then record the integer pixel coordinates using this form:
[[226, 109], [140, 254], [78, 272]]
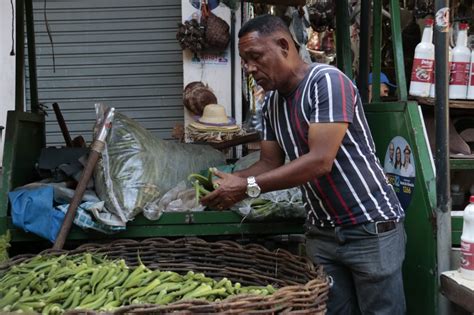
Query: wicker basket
[[217, 32], [303, 287], [196, 95]]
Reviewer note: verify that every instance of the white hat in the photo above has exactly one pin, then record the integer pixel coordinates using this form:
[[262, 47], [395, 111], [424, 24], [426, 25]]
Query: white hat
[[215, 115]]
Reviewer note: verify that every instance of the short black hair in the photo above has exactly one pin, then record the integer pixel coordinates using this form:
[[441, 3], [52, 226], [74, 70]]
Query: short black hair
[[264, 24]]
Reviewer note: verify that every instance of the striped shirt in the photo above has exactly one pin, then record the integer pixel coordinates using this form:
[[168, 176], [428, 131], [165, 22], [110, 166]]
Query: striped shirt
[[356, 190]]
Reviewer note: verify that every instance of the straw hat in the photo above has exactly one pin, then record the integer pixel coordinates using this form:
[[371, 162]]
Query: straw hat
[[214, 114]]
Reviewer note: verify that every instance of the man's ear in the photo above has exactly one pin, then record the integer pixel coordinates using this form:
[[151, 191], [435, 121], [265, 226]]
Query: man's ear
[[284, 45]]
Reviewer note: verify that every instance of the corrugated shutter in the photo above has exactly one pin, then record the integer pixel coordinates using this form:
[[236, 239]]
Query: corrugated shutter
[[120, 52]]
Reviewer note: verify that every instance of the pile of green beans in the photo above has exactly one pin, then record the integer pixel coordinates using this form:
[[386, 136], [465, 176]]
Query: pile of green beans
[[53, 284]]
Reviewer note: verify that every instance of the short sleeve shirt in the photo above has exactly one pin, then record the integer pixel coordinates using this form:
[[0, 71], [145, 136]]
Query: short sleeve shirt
[[356, 190]]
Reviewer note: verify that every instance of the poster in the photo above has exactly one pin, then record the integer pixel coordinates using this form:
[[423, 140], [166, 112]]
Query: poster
[[399, 167]]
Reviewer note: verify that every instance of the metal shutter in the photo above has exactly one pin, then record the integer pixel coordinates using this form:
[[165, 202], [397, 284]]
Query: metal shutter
[[119, 52]]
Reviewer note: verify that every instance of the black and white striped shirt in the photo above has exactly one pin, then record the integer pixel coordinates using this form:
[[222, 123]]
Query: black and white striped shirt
[[356, 190]]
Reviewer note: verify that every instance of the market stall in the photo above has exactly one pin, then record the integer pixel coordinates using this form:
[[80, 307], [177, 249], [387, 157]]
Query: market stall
[[399, 121]]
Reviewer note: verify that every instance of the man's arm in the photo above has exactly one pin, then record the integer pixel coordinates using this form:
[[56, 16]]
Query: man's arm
[[324, 142]]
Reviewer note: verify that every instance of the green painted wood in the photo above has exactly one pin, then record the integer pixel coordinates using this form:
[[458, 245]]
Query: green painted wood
[[343, 40], [456, 230], [376, 50], [177, 225], [24, 138], [386, 121], [461, 164], [397, 44]]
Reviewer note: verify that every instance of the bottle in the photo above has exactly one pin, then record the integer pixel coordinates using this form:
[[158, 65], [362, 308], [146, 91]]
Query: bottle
[[470, 89], [433, 79], [459, 77], [423, 63], [467, 242]]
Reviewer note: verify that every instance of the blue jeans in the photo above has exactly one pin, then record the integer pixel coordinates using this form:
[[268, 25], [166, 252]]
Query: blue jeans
[[366, 267]]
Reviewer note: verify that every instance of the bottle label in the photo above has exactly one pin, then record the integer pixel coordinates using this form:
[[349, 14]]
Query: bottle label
[[472, 74], [422, 70], [467, 255], [459, 73]]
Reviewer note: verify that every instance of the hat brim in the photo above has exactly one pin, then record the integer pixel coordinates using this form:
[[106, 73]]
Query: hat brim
[[206, 127], [230, 122]]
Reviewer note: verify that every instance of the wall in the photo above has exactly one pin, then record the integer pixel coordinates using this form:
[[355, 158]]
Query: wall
[[214, 71], [7, 67]]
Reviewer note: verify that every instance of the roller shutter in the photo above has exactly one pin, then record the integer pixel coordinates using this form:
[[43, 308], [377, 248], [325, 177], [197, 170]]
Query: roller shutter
[[119, 52]]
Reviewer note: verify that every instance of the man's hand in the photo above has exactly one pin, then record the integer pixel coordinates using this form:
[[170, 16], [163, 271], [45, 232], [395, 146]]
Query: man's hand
[[229, 189]]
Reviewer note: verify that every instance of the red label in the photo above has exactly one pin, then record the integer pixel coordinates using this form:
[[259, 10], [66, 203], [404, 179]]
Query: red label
[[467, 255], [459, 73], [422, 70], [472, 74]]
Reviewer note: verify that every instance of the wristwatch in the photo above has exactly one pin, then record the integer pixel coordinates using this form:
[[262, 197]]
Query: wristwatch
[[253, 190]]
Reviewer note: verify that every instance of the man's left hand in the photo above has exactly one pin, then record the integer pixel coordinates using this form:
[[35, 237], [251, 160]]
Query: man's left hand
[[229, 189]]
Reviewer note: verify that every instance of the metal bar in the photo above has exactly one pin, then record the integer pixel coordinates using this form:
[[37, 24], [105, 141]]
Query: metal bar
[[443, 199], [62, 125], [376, 50], [30, 35], [20, 57], [343, 41], [364, 51], [398, 50]]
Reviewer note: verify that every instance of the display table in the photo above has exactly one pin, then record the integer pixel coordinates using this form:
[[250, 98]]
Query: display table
[[458, 289]]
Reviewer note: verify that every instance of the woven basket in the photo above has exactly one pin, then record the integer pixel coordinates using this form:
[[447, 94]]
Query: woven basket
[[196, 96], [217, 32], [303, 287]]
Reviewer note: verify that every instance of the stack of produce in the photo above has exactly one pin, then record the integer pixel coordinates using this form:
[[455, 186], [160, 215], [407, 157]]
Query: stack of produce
[[53, 284]]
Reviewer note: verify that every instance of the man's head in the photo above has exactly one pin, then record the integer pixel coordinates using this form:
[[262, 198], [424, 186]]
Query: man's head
[[385, 85], [268, 52], [391, 150]]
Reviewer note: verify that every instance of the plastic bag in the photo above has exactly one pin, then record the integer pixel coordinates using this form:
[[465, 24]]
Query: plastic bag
[[33, 211], [178, 199], [137, 168], [280, 204]]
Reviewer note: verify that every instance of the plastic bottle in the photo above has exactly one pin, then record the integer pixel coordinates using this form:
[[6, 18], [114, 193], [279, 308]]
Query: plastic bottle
[[423, 63], [459, 77], [467, 242], [470, 89], [433, 79]]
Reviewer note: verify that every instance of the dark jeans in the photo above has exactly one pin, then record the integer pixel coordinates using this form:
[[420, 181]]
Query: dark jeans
[[366, 268]]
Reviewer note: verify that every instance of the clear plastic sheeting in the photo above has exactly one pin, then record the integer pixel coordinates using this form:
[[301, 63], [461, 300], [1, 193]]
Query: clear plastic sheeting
[[280, 204], [137, 168]]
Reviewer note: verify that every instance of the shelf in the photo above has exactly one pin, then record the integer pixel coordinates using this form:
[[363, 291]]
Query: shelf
[[467, 104], [180, 224], [461, 164]]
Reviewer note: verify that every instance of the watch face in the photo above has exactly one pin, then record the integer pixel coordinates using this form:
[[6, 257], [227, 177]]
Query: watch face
[[253, 191]]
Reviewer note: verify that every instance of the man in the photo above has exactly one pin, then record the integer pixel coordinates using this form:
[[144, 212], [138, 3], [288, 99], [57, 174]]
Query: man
[[389, 165], [386, 87], [314, 115]]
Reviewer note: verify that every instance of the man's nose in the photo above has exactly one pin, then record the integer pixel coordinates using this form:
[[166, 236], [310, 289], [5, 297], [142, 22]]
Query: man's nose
[[250, 68]]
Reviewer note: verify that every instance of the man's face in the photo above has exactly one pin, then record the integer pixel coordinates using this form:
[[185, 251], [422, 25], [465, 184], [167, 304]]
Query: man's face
[[262, 58], [384, 90], [391, 150]]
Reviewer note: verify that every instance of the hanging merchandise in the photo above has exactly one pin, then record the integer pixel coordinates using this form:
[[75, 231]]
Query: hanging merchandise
[[423, 63], [459, 78], [470, 89], [217, 30], [191, 35], [433, 77], [196, 96], [467, 241]]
